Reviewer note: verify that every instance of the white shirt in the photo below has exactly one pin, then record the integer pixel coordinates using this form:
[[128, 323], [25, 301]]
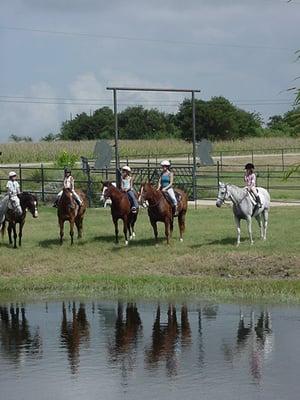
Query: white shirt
[[69, 182], [13, 188]]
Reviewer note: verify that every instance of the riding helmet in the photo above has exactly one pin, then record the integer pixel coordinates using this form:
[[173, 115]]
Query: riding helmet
[[165, 163], [12, 174], [67, 170], [126, 168], [249, 166]]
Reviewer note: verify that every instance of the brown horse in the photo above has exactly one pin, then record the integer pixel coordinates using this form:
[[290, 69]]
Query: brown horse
[[68, 210], [120, 209], [161, 210], [28, 202]]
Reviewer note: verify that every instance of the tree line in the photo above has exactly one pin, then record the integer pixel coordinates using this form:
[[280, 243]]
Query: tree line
[[216, 119]]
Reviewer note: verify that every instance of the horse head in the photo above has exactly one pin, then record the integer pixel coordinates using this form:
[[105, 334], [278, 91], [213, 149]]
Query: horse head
[[29, 202], [146, 193], [15, 205], [222, 194], [107, 188]]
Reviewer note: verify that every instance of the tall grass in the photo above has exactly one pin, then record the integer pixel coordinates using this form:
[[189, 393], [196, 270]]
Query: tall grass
[[48, 151]]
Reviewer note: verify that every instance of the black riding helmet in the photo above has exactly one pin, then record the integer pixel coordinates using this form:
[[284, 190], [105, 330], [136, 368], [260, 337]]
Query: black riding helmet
[[67, 171], [249, 166]]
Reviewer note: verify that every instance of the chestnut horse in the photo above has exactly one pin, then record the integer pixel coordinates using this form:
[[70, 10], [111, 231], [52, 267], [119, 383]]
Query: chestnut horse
[[161, 210], [120, 209], [68, 210], [27, 202]]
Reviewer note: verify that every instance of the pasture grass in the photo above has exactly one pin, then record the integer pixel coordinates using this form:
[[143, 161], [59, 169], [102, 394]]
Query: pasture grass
[[48, 151], [207, 263]]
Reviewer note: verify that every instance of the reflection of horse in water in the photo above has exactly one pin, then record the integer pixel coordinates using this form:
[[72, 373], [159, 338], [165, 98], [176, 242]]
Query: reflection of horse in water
[[127, 331], [16, 338], [256, 339], [74, 333], [166, 337]]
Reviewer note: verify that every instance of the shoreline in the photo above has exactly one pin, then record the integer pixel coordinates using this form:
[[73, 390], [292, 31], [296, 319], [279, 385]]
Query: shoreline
[[151, 287]]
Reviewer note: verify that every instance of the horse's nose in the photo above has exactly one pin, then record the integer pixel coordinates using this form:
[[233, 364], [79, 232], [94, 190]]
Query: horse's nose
[[218, 203]]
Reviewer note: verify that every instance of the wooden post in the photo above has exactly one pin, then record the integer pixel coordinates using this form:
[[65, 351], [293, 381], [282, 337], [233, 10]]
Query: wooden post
[[43, 183]]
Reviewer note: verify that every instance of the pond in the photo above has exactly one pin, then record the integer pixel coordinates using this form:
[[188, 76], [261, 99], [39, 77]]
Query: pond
[[118, 350]]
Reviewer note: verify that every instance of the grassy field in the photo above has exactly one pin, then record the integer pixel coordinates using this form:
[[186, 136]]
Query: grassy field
[[48, 151], [207, 263]]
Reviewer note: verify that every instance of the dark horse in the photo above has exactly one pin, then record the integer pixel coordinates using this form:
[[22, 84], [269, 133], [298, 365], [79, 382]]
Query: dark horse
[[160, 209], [28, 202], [68, 210], [120, 209]]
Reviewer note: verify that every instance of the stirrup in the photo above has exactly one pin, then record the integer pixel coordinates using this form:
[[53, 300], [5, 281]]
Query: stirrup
[[133, 210]]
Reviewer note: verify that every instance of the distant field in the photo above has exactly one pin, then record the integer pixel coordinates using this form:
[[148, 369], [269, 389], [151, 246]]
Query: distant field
[[48, 151]]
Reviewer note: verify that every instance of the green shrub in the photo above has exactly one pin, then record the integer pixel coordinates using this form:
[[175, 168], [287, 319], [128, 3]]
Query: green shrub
[[65, 159]]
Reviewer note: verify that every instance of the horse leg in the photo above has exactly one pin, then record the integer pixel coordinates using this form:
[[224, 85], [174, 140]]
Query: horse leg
[[167, 229], [125, 228], [259, 221], [154, 226], [249, 224], [171, 226], [9, 230], [238, 228], [72, 231], [181, 224], [132, 226], [116, 230], [21, 233], [78, 223], [265, 222], [61, 227], [15, 235]]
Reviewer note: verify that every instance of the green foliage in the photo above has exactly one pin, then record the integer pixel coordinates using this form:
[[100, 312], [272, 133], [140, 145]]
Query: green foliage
[[16, 138], [65, 159], [217, 119], [51, 137]]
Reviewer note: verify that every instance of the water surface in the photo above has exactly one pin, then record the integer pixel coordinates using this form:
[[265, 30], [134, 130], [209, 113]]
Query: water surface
[[118, 350]]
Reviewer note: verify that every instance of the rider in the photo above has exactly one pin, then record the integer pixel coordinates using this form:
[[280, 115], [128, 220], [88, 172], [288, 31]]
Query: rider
[[250, 180], [127, 187], [165, 183], [68, 184]]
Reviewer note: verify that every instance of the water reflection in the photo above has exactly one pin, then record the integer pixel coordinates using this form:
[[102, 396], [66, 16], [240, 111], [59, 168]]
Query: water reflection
[[74, 332], [16, 339], [255, 339], [166, 337], [130, 340]]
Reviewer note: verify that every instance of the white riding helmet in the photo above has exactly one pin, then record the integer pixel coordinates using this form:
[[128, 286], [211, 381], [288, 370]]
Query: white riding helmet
[[165, 163], [126, 168], [12, 174]]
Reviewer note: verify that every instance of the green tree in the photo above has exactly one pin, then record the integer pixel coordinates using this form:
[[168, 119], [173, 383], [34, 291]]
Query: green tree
[[16, 138]]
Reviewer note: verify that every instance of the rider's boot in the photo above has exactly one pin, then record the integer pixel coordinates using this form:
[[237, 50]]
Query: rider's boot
[[258, 201]]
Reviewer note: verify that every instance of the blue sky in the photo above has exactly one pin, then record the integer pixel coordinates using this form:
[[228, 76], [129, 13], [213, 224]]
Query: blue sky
[[243, 50]]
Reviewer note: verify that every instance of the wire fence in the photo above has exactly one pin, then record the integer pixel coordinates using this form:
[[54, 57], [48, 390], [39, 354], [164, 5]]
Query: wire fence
[[46, 181]]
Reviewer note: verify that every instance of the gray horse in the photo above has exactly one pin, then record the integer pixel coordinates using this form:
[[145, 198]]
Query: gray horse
[[6, 203], [244, 207]]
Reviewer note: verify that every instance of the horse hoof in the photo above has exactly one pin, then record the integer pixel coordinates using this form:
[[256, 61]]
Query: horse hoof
[[133, 235], [238, 244], [251, 243], [126, 242], [181, 240], [130, 237]]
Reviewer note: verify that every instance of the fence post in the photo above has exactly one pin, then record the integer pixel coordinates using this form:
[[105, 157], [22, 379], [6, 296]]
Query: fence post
[[268, 179], [221, 159], [189, 159], [282, 158], [89, 187], [43, 183], [148, 167], [106, 173], [20, 177], [218, 174]]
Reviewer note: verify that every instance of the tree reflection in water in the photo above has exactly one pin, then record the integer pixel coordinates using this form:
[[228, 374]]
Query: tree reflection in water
[[74, 333], [17, 340]]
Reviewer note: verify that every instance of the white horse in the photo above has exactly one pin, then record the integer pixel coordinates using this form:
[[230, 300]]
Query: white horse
[[107, 201], [6, 203], [244, 207]]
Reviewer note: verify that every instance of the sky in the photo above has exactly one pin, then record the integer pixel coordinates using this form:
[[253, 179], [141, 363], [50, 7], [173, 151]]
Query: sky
[[55, 52]]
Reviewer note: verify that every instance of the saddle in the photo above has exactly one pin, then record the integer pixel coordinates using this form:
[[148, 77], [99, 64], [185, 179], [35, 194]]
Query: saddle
[[168, 198]]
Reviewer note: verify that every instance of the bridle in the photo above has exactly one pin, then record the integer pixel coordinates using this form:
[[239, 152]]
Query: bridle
[[222, 200], [146, 201]]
